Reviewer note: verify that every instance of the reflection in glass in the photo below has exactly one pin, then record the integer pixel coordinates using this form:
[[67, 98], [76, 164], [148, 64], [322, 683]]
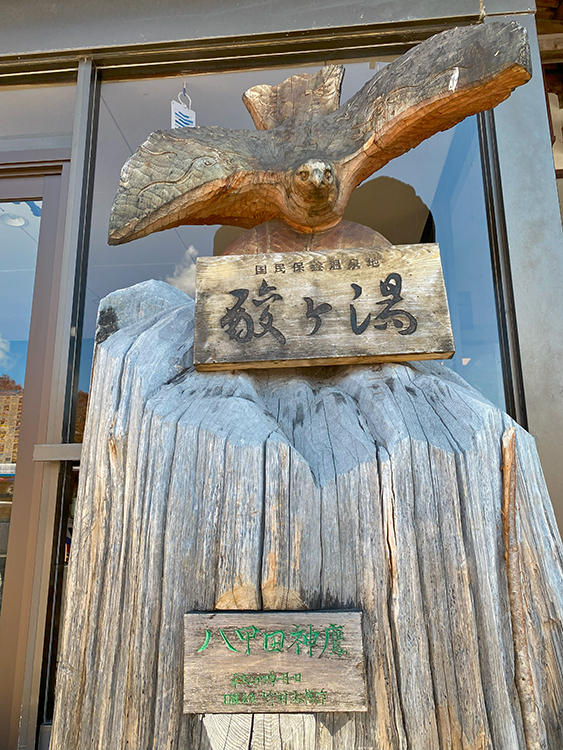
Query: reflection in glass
[[433, 192], [19, 234], [446, 206]]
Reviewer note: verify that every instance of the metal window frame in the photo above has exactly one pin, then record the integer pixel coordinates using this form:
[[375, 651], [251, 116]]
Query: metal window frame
[[227, 53], [502, 276], [534, 240], [46, 412]]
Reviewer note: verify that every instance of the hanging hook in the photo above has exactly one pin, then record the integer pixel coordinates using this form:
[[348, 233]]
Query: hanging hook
[[185, 93]]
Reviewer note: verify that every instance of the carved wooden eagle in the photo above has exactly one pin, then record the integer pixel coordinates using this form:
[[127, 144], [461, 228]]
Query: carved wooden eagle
[[309, 153]]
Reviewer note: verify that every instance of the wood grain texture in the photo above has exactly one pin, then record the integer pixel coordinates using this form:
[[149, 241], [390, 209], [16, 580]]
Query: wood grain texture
[[522, 667], [299, 99], [376, 488], [277, 237], [304, 168], [315, 308], [290, 662]]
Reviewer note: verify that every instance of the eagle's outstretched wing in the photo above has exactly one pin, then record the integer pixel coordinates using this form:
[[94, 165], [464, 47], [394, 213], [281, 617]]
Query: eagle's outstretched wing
[[214, 175], [207, 175], [432, 87]]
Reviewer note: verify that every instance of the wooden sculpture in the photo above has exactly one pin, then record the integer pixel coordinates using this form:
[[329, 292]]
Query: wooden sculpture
[[373, 488], [309, 154], [376, 488]]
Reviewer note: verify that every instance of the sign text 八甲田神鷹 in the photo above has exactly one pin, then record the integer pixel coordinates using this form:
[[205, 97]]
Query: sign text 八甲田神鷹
[[273, 661]]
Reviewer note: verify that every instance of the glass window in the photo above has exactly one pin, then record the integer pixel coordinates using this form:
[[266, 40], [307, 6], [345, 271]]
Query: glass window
[[434, 191], [446, 206], [19, 235], [36, 110]]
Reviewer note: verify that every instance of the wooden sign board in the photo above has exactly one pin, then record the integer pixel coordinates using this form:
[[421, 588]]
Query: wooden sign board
[[320, 308], [273, 662]]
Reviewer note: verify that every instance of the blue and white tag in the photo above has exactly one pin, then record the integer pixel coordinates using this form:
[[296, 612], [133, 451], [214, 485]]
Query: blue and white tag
[[182, 116]]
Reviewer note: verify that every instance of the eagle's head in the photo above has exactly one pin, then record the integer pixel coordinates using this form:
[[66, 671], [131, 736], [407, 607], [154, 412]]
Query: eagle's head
[[312, 195], [314, 177]]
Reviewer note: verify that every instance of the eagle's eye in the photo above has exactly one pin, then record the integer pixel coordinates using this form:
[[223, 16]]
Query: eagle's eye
[[304, 174], [328, 175]]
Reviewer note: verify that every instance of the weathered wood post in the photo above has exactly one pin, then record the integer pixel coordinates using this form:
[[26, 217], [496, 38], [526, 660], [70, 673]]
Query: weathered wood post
[[311, 557]]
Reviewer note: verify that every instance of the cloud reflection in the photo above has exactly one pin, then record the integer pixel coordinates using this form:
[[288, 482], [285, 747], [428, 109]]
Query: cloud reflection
[[183, 277]]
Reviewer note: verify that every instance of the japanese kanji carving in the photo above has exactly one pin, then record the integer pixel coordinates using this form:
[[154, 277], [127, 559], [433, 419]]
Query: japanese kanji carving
[[300, 167]]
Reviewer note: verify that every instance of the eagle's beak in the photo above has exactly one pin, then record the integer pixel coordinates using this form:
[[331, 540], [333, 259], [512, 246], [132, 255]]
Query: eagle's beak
[[316, 177]]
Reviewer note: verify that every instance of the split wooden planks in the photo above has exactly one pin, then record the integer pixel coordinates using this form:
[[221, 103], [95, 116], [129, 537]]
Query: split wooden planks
[[372, 488]]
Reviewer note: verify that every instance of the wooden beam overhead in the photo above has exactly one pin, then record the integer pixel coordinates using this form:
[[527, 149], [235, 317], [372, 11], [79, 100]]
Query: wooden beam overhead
[[551, 47]]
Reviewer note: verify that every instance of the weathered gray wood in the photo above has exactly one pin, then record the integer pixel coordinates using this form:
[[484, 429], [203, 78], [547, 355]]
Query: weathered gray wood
[[377, 488], [321, 308], [291, 662], [304, 169]]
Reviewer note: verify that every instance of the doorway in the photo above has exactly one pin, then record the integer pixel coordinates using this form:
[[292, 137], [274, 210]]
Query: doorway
[[33, 194]]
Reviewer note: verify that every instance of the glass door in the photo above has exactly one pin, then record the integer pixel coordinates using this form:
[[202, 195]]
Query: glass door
[[19, 237], [34, 346]]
